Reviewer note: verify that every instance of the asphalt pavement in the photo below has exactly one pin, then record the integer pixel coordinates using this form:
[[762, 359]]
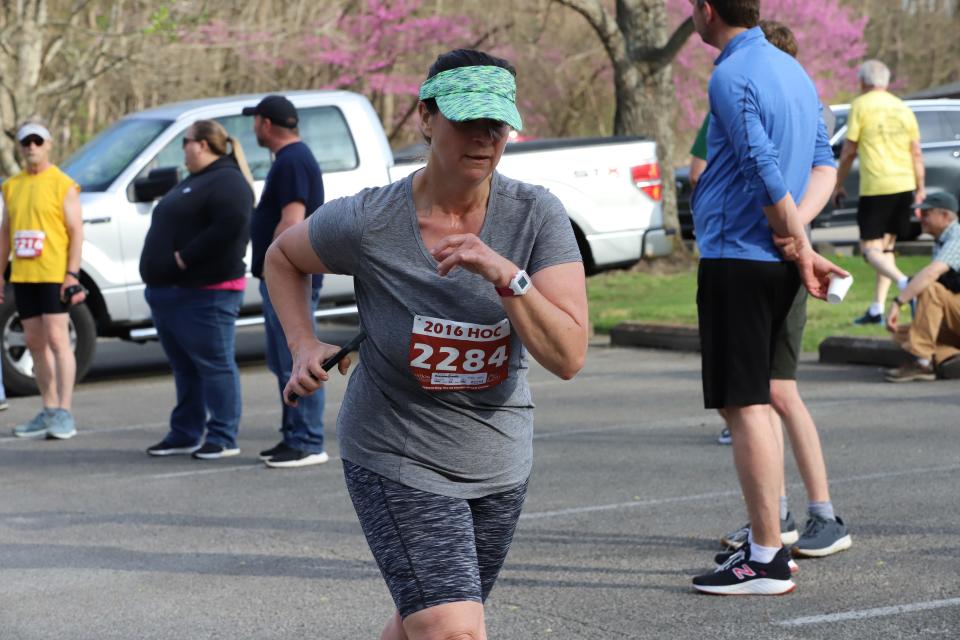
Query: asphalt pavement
[[628, 498]]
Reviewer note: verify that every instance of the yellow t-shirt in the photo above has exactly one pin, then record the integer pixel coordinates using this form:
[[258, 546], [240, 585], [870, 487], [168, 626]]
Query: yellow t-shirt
[[34, 207], [883, 128]]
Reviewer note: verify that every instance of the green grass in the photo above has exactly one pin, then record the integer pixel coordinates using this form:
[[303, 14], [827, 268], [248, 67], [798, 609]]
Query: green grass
[[624, 296]]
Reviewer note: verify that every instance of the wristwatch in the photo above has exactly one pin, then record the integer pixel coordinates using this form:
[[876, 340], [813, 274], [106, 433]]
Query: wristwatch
[[899, 302], [519, 285]]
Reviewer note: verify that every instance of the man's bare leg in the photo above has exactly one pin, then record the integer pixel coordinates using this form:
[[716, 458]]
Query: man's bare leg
[[57, 328], [804, 439], [44, 365], [759, 466], [879, 254]]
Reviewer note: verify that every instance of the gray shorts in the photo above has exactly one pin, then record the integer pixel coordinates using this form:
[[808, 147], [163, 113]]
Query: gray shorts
[[789, 341], [433, 549]]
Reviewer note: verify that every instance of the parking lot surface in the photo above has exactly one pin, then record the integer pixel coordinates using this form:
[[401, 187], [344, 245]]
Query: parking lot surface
[[628, 498]]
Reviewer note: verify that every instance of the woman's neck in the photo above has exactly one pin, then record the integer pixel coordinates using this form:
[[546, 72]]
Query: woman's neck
[[432, 194]]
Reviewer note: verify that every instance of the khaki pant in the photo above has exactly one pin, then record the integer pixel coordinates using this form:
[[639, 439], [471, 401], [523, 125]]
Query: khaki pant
[[935, 331]]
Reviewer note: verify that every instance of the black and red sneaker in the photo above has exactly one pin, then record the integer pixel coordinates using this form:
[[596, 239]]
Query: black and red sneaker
[[722, 557], [741, 576]]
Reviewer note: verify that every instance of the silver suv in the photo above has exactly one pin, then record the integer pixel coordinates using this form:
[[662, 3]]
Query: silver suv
[[939, 122]]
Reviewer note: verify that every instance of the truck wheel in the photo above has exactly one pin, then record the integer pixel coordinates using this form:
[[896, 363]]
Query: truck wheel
[[16, 359], [585, 252]]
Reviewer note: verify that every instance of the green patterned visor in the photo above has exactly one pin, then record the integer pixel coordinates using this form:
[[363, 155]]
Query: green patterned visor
[[475, 93]]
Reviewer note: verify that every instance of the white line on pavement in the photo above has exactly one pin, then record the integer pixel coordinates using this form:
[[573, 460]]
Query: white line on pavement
[[537, 515], [871, 613], [201, 472], [891, 474], [685, 421]]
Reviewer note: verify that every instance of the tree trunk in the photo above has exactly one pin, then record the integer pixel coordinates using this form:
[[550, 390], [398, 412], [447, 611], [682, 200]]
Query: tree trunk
[[646, 106], [636, 42], [21, 75]]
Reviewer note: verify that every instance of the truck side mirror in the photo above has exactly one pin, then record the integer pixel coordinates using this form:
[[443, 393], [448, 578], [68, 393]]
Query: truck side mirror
[[157, 183]]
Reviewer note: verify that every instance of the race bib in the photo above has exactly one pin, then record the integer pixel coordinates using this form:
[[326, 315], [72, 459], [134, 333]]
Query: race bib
[[28, 244], [446, 355]]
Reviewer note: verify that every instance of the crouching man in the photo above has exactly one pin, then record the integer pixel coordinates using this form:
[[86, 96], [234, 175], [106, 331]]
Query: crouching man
[[934, 335]]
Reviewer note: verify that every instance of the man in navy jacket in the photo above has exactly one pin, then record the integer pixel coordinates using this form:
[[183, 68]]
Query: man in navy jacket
[[293, 190]]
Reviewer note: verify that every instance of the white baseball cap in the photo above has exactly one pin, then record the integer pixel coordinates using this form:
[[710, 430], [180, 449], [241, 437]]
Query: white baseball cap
[[33, 129]]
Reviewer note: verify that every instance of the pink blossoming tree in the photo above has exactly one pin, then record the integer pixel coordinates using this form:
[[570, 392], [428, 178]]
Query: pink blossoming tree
[[830, 37]]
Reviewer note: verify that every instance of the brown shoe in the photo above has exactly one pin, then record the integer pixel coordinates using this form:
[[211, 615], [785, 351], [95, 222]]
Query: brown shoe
[[949, 369], [910, 372]]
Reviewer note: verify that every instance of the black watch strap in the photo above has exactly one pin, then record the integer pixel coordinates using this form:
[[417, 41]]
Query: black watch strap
[[74, 274]]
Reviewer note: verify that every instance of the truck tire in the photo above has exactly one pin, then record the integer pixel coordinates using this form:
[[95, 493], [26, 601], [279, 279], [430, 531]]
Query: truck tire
[[585, 252], [16, 359]]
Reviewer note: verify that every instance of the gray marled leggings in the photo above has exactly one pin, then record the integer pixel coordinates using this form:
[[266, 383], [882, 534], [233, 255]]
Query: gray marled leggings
[[433, 549]]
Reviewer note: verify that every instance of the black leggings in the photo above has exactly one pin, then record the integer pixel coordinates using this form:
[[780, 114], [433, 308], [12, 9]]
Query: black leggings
[[433, 549]]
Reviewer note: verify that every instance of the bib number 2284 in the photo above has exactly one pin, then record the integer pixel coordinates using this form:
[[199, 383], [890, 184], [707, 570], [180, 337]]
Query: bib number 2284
[[446, 355]]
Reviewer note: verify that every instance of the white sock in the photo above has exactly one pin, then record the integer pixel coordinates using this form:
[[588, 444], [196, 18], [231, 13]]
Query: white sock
[[902, 283], [923, 362], [876, 309], [761, 554]]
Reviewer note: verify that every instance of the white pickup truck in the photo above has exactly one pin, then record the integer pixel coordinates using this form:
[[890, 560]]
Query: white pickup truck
[[610, 187]]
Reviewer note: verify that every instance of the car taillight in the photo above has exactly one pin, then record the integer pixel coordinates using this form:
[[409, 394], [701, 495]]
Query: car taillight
[[646, 177]]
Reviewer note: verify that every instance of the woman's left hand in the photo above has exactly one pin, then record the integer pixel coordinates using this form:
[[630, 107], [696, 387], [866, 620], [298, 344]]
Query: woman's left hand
[[470, 252]]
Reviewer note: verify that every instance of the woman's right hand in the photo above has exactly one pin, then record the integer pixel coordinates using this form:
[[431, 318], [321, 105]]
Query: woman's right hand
[[307, 374]]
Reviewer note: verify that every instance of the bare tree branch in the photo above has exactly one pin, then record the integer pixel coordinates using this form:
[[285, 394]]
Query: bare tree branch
[[663, 56], [606, 27]]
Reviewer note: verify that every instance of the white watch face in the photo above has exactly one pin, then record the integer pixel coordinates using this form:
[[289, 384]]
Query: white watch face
[[520, 283]]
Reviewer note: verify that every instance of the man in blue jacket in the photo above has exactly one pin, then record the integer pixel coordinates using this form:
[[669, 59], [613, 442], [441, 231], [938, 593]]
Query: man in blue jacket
[[770, 161], [293, 190]]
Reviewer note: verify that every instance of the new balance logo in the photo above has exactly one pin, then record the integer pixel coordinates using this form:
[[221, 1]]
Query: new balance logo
[[743, 571]]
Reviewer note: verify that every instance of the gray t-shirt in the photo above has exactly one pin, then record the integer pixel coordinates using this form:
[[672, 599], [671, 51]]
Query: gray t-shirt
[[466, 442]]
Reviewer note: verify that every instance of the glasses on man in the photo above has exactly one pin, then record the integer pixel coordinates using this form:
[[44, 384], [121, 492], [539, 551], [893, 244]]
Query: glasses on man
[[31, 140], [187, 141]]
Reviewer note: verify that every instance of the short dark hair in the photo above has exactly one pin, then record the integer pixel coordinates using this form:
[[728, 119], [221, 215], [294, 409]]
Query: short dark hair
[[780, 36], [737, 13], [463, 58]]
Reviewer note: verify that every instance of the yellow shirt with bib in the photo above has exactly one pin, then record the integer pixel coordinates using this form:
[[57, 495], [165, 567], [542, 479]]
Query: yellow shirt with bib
[[39, 242], [883, 128]]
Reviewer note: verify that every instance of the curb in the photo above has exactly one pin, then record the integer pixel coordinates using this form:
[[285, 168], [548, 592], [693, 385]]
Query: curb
[[873, 351], [833, 350], [655, 336]]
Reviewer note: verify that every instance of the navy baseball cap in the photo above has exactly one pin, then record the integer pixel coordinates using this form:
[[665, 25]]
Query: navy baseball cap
[[939, 200], [276, 109]]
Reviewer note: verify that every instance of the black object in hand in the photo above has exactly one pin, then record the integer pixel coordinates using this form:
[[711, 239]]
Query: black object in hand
[[71, 291], [332, 361]]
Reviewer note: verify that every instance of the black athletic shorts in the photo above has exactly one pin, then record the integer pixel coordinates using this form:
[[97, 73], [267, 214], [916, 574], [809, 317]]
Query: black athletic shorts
[[789, 341], [878, 215], [433, 549], [37, 298], [741, 306]]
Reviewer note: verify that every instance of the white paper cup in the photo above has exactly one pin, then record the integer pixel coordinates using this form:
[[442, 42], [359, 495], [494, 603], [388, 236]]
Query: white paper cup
[[839, 286]]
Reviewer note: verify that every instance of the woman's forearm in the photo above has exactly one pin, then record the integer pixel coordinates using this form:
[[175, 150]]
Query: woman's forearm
[[555, 333]]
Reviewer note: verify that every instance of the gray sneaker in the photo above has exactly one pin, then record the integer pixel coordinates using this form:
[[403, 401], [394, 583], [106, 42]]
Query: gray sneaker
[[788, 534], [61, 425], [822, 537], [35, 428]]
